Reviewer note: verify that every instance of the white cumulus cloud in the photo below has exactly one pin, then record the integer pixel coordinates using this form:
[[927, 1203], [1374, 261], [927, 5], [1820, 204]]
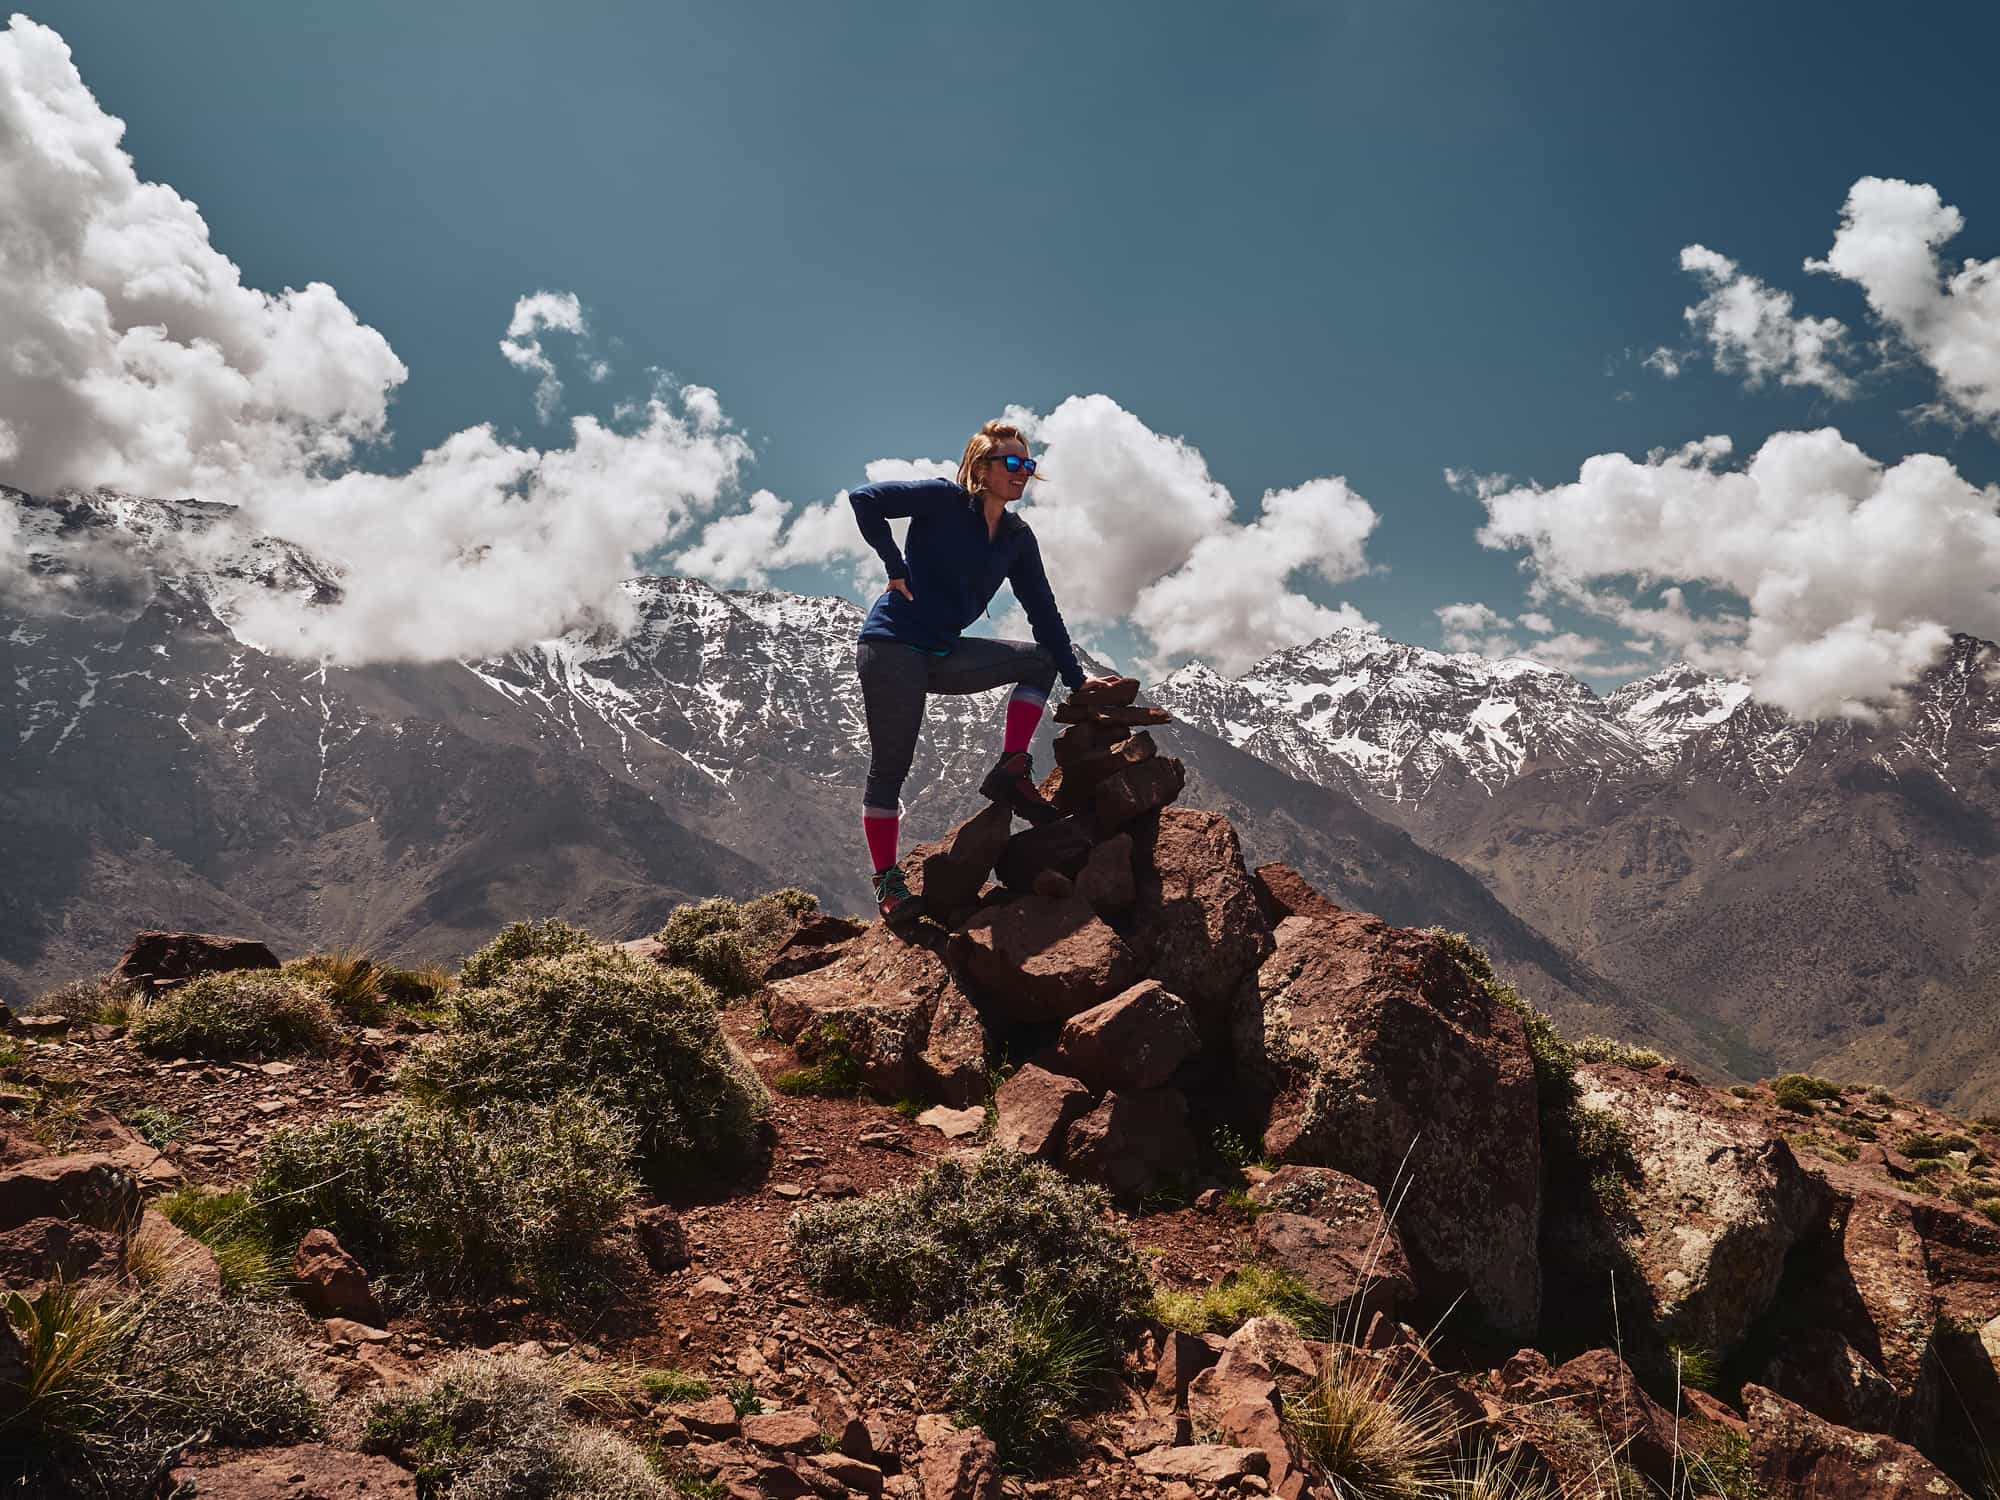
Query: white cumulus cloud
[[1888, 244], [1851, 573], [523, 349], [1750, 327]]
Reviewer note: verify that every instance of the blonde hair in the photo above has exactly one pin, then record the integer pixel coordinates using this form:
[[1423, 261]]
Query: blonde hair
[[979, 452]]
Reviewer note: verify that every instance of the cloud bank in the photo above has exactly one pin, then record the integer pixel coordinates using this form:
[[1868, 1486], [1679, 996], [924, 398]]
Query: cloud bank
[[1853, 573], [136, 359]]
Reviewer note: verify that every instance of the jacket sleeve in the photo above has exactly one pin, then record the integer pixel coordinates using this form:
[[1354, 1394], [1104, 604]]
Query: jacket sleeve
[[875, 504], [1038, 600]]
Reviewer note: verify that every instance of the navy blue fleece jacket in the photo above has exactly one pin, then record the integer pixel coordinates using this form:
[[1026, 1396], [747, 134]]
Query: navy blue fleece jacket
[[954, 569]]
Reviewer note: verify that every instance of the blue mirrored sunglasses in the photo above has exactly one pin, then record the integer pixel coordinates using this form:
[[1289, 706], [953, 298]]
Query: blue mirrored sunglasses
[[1017, 464]]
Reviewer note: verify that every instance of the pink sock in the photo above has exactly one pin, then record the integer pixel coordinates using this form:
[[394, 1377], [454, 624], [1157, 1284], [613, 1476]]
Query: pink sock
[[880, 826], [1024, 712]]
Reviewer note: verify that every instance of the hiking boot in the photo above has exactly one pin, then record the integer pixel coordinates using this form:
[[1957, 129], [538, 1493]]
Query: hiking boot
[[893, 898], [1011, 783]]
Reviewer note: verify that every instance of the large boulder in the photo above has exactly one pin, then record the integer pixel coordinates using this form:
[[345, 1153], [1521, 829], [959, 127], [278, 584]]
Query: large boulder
[[1719, 1204], [1355, 1266], [1134, 1040], [1082, 774], [1132, 1142], [44, 1250], [1142, 787], [1105, 880], [813, 943], [1195, 925], [1043, 958], [1379, 1057], [950, 873], [91, 1189], [882, 1000], [158, 959], [1793, 1452], [1063, 845]]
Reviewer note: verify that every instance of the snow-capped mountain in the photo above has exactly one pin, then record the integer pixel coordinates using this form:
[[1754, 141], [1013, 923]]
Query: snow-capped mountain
[[1411, 726]]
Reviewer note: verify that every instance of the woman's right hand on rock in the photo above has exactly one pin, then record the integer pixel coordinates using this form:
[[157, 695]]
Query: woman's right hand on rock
[[902, 586]]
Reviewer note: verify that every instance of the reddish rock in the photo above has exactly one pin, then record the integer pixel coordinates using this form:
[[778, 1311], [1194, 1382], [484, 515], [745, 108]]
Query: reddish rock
[[1793, 1452], [1881, 1297], [1203, 1463], [1719, 1205], [178, 1254], [1084, 774], [1067, 712], [714, 1418], [1283, 892], [1132, 1142], [1195, 926], [962, 1464], [953, 1062], [1382, 1059], [156, 959], [850, 1473], [44, 1250], [1820, 1370], [1036, 1108], [1182, 1357], [1079, 742], [1054, 885], [1603, 1388], [1134, 1040], [1062, 846], [310, 1471], [877, 1000], [657, 1231], [950, 873], [1106, 878], [1041, 960], [814, 943], [1238, 1400], [1357, 1267], [792, 1431], [331, 1283], [1143, 787], [90, 1189]]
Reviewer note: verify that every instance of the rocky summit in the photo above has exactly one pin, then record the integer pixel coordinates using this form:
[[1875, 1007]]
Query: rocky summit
[[1130, 1169]]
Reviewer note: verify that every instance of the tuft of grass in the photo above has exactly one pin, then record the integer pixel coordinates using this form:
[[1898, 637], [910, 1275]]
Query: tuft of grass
[[1604, 1049], [1371, 1433], [909, 1108], [1488, 1476], [518, 941], [484, 1428], [1249, 1291], [1238, 1150], [519, 1195], [104, 1000], [74, 1344], [743, 1396], [245, 1013], [1922, 1147], [645, 1042], [349, 981], [1861, 1130], [1802, 1093], [156, 1127], [233, 1227], [673, 1386], [1695, 1367], [1724, 1468]]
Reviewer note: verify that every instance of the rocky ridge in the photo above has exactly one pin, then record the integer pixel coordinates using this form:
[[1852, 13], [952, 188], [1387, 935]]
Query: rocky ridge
[[1152, 995]]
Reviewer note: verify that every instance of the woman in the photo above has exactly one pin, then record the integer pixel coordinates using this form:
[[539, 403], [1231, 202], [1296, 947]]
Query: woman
[[962, 542]]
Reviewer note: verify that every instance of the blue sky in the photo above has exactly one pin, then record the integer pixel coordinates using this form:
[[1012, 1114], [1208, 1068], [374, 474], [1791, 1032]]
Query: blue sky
[[1372, 241]]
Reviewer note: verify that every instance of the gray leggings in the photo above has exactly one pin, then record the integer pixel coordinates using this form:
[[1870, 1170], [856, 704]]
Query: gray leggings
[[895, 679]]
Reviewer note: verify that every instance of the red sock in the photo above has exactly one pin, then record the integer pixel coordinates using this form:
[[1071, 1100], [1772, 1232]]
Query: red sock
[[880, 827], [1024, 712]]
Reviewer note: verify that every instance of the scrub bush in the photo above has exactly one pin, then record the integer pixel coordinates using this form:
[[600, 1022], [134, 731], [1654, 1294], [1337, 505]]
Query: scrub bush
[[244, 1013]]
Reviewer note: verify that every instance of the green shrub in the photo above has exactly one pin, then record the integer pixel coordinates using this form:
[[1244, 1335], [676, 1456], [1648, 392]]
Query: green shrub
[[350, 982], [105, 1000], [995, 1228], [516, 941], [1029, 1285], [1801, 1092], [1020, 1369], [233, 1228], [416, 991], [520, 1195], [768, 920], [157, 1127], [1931, 1166], [643, 1040], [706, 937], [1920, 1146], [245, 1370], [485, 1428], [1990, 1207], [1604, 1049], [1743, 1091], [1958, 1142], [1861, 1130], [1249, 1291], [244, 1013]]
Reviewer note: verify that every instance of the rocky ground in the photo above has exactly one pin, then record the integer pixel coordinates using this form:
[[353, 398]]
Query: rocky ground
[[1581, 1263]]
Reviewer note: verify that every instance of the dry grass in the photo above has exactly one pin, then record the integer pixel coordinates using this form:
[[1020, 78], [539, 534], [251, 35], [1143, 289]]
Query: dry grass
[[1372, 1433]]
